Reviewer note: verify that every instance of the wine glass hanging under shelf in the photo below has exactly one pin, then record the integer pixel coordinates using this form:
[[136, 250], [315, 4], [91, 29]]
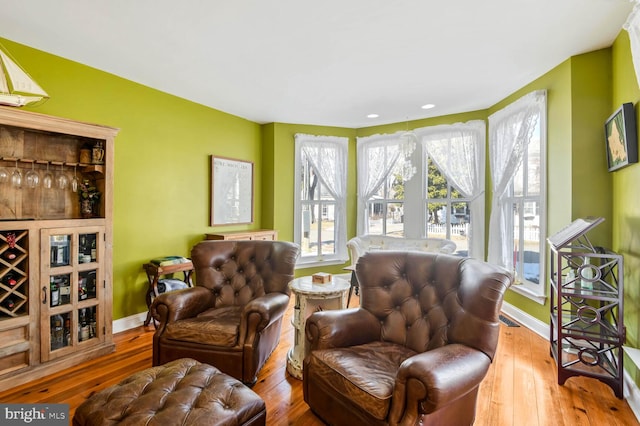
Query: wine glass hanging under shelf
[[87, 167]]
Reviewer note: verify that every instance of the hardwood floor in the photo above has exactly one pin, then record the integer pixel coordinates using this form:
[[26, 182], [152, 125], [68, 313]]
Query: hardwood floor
[[520, 388]]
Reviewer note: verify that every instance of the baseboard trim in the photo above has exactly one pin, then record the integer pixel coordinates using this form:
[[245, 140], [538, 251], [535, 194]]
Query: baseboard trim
[[532, 323], [630, 389], [127, 323]]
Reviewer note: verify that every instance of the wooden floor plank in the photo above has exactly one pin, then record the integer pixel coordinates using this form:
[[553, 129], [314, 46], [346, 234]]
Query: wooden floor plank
[[544, 372], [524, 384], [520, 387]]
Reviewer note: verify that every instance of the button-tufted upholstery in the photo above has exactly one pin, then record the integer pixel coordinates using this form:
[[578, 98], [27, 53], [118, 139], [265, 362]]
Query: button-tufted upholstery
[[182, 392], [233, 316], [415, 350], [358, 246]]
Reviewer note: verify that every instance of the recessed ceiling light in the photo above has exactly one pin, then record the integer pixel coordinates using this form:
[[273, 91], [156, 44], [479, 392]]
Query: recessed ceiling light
[[427, 106], [373, 116]]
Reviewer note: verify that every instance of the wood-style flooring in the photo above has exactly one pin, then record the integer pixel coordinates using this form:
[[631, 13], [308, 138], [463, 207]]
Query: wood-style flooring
[[520, 389]]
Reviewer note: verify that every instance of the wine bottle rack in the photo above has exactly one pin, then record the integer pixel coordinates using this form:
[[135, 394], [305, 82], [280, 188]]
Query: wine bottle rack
[[14, 273]]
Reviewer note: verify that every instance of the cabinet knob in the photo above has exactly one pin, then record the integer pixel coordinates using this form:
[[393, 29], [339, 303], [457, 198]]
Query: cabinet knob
[[44, 295]]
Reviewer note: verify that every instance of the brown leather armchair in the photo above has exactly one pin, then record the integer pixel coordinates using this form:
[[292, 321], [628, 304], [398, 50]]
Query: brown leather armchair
[[232, 318], [416, 349]]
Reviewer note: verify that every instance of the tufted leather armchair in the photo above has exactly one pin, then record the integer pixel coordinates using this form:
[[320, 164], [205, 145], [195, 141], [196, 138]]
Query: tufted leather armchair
[[232, 318], [416, 349]]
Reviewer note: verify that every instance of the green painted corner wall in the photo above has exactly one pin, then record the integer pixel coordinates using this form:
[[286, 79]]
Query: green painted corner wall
[[162, 165], [626, 209], [268, 177], [591, 85]]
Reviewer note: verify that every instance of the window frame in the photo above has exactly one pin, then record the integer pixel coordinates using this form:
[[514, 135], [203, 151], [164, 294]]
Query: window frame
[[531, 290], [340, 255]]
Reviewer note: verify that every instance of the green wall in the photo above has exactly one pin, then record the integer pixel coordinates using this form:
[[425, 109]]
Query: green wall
[[626, 209], [162, 172]]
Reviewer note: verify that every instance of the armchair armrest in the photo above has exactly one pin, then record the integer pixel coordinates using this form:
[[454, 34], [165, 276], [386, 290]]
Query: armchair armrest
[[179, 304], [261, 312], [341, 328], [431, 380]]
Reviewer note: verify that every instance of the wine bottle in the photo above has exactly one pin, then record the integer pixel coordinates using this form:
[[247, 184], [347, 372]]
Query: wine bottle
[[93, 250], [65, 291], [84, 326], [10, 254], [9, 279], [92, 324], [9, 303], [67, 331], [54, 290], [56, 332], [80, 321], [82, 288]]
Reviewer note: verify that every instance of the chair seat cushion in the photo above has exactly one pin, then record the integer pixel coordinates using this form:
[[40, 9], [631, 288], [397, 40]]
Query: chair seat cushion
[[216, 327], [364, 374]]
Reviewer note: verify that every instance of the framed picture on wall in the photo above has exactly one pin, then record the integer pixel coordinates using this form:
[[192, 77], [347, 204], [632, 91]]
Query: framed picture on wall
[[231, 191], [620, 138]]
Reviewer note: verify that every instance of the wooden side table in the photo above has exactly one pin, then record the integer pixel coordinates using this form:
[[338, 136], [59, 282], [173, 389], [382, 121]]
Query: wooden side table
[[257, 234], [154, 272], [309, 299]]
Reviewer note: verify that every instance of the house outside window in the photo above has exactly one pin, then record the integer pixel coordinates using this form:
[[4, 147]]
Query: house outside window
[[517, 148], [320, 199]]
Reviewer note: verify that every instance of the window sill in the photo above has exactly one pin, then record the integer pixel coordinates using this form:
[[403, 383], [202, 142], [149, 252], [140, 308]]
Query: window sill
[[319, 263], [529, 294]]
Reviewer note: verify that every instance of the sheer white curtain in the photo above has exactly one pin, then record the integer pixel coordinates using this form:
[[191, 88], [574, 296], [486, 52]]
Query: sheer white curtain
[[633, 28], [377, 157], [327, 155], [510, 131], [458, 150]]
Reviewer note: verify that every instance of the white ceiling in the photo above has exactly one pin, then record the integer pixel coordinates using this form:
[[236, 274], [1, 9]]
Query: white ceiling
[[328, 62]]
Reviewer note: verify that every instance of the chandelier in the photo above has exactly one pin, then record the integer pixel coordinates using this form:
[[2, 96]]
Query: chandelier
[[408, 143]]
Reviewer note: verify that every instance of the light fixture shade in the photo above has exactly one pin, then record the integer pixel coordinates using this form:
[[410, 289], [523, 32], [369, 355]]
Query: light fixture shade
[[17, 88], [408, 143]]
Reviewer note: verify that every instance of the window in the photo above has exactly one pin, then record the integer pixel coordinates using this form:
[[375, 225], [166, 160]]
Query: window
[[517, 154], [320, 203], [445, 197], [381, 185], [448, 213]]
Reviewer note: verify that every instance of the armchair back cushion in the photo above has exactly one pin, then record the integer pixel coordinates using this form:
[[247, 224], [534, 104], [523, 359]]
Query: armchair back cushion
[[415, 350], [427, 301], [232, 317], [239, 271]]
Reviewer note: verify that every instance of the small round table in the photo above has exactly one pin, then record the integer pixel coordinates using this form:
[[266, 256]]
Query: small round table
[[311, 298]]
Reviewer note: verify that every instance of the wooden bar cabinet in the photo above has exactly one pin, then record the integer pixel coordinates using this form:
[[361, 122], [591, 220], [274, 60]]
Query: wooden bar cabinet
[[55, 257]]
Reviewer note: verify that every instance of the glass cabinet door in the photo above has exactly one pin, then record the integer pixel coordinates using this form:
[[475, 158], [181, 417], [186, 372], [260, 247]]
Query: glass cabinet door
[[72, 287]]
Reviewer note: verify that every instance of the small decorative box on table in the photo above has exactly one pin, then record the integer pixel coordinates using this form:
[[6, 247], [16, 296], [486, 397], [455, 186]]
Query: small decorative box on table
[[164, 266]]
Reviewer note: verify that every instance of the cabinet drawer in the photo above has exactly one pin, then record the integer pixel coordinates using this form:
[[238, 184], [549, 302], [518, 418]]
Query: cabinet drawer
[[14, 349]]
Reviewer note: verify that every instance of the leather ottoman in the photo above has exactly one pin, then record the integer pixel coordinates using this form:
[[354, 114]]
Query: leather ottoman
[[181, 392]]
